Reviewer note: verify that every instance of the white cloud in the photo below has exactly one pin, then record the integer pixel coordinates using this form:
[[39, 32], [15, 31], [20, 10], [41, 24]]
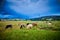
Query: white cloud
[[6, 16], [56, 14], [29, 8]]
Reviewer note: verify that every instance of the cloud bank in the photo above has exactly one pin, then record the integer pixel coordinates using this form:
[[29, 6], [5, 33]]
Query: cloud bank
[[31, 8]]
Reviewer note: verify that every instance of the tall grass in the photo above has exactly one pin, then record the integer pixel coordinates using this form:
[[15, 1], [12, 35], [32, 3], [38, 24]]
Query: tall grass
[[24, 34], [32, 34]]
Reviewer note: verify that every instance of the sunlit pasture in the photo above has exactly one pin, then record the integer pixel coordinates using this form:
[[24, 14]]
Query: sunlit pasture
[[41, 32]]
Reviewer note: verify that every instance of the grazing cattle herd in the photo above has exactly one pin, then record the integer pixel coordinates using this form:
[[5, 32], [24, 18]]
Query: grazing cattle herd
[[46, 25], [27, 25]]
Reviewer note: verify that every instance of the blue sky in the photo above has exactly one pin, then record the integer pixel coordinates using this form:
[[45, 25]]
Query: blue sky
[[29, 8]]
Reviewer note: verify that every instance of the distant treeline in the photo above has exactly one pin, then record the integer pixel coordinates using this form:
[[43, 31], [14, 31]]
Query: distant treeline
[[46, 18]]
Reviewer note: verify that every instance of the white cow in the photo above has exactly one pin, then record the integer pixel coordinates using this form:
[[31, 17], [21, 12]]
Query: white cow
[[29, 26], [49, 24]]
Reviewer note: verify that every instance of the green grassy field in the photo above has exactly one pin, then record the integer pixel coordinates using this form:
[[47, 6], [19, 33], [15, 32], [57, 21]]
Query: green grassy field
[[32, 34]]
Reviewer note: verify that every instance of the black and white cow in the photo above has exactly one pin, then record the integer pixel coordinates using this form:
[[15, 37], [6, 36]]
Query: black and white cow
[[8, 26]]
